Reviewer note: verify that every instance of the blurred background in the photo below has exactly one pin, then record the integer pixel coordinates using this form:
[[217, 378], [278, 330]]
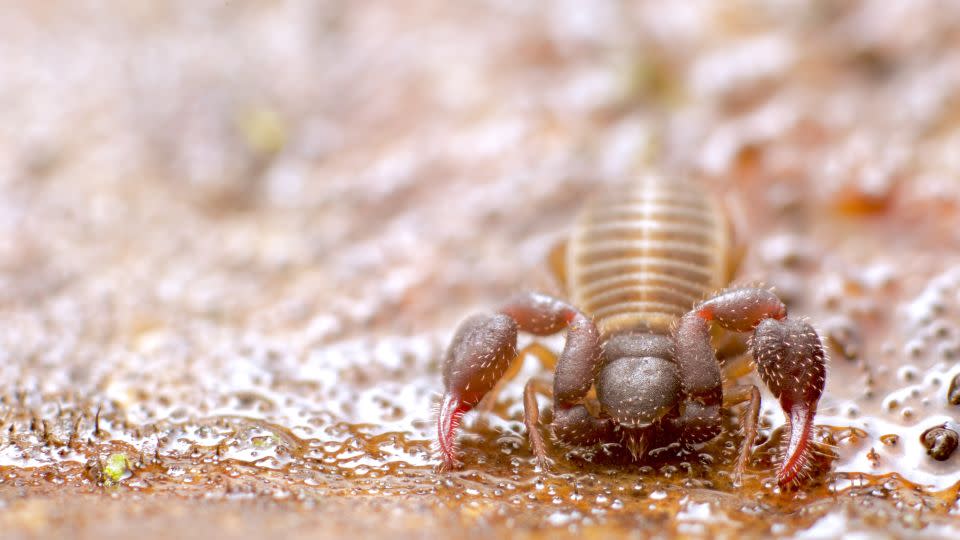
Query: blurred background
[[235, 238]]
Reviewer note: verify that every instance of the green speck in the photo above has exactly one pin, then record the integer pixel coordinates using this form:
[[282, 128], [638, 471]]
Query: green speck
[[266, 442], [116, 468], [651, 80], [263, 130]]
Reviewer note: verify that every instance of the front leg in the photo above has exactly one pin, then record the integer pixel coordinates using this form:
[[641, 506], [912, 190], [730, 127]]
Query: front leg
[[479, 354], [791, 362], [484, 346], [576, 371], [789, 357], [573, 425]]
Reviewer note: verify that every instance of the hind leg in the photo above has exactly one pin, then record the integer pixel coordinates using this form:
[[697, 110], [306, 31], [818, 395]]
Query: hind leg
[[531, 418], [748, 422]]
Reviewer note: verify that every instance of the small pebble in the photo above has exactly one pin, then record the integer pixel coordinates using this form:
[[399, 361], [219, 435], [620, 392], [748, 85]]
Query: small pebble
[[940, 442], [953, 394], [890, 439]]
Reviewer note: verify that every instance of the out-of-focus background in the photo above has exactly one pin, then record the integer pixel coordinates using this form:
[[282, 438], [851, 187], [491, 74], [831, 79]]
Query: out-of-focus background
[[236, 236]]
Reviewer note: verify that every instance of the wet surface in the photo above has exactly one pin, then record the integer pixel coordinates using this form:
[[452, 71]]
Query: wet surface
[[235, 239]]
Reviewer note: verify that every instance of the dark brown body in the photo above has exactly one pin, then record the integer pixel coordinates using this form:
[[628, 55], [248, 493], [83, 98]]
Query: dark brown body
[[642, 270], [636, 262]]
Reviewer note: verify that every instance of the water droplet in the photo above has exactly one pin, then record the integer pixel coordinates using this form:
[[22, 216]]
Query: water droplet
[[907, 373]]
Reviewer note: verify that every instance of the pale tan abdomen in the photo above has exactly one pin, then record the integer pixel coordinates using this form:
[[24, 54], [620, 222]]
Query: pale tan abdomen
[[642, 258]]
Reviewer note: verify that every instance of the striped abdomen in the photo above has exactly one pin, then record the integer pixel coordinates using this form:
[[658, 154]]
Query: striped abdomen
[[642, 258]]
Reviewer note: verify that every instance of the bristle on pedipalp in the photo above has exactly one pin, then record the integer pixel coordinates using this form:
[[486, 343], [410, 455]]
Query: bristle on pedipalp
[[448, 420]]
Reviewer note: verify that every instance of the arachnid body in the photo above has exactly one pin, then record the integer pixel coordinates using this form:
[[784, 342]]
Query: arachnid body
[[640, 267]]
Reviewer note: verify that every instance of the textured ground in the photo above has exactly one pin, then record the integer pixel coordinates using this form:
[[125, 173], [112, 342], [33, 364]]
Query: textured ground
[[236, 236]]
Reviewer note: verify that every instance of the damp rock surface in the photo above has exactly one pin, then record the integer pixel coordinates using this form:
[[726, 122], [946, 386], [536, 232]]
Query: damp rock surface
[[235, 239]]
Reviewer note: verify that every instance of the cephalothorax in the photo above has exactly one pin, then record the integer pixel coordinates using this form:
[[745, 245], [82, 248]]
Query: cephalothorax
[[639, 270]]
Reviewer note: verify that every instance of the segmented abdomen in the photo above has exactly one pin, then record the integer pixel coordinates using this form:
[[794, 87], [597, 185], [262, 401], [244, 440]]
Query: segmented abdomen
[[643, 258]]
